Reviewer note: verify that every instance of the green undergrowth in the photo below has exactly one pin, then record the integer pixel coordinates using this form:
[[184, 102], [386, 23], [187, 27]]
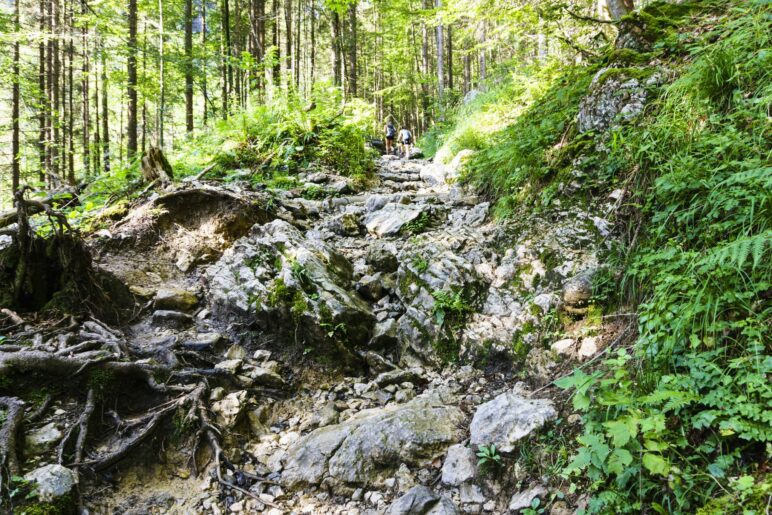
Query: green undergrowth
[[678, 421]]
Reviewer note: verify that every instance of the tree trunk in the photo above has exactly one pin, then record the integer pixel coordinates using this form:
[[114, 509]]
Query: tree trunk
[[54, 88], [440, 62], [42, 96], [337, 64], [467, 73], [352, 50], [450, 57], [131, 129], [105, 114], [227, 74], [15, 164], [203, 67], [189, 65], [70, 114], [618, 8], [313, 46], [288, 41], [276, 70], [85, 93], [161, 76]]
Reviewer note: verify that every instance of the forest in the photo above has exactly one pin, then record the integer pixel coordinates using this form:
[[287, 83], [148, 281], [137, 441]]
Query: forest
[[222, 290]]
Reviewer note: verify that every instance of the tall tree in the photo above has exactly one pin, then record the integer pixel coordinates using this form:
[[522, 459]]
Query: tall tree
[[131, 147], [15, 143], [106, 113], [84, 87], [351, 79], [189, 65], [42, 95], [336, 48], [440, 62]]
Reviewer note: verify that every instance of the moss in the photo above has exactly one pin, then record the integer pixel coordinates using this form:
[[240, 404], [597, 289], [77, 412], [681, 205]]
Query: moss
[[627, 56], [299, 306], [623, 74], [64, 505], [102, 381], [549, 258], [279, 293]]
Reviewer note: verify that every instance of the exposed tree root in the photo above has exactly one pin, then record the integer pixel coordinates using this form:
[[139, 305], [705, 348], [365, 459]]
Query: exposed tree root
[[9, 459]]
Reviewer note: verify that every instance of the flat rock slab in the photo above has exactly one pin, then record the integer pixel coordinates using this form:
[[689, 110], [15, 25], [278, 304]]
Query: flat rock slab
[[368, 447], [508, 418], [389, 220]]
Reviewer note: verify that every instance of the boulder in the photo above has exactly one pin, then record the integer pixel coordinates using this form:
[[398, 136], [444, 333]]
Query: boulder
[[577, 291], [42, 439], [508, 418], [368, 447], [420, 500], [371, 287], [392, 218], [52, 481], [436, 174], [175, 299], [460, 465], [292, 287]]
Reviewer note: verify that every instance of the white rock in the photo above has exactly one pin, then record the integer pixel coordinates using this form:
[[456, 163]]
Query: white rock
[[53, 481], [42, 439], [459, 466], [232, 365], [229, 409], [508, 418], [564, 346], [589, 347], [523, 499]]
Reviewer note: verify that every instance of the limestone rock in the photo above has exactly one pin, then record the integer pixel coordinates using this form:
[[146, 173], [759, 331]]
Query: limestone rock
[[382, 257], [577, 291], [171, 319], [508, 418], [42, 439], [290, 286], [460, 465], [391, 218], [53, 481], [229, 409], [612, 97], [368, 447], [420, 500], [522, 500], [175, 299]]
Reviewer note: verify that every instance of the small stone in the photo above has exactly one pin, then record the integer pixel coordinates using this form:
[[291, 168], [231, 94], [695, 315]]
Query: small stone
[[236, 507], [230, 408], [217, 393], [261, 355], [236, 352], [390, 482], [524, 499], [53, 481], [588, 348], [232, 365], [175, 299], [564, 346], [577, 291], [460, 465], [489, 506], [471, 494], [357, 495], [42, 439]]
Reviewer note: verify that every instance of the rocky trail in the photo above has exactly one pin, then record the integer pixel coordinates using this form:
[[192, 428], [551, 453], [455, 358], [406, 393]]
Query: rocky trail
[[318, 350]]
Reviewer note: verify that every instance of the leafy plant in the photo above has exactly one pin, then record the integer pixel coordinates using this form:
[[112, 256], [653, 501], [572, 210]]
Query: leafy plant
[[488, 457]]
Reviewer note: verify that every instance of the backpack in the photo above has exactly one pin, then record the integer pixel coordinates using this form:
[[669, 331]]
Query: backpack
[[390, 131]]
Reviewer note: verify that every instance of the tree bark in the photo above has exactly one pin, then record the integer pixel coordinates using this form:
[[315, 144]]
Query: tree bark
[[276, 70], [618, 8], [131, 148], [352, 50], [15, 164], [42, 96], [162, 76], [86, 135], [450, 57], [227, 73], [337, 63], [288, 41], [189, 65], [106, 113], [203, 67], [440, 61]]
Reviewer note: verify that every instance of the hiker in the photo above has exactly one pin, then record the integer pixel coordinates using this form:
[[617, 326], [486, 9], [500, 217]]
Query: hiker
[[391, 133], [405, 139]]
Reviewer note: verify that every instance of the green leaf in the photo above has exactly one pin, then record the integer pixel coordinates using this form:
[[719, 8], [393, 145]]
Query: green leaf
[[618, 461], [656, 464]]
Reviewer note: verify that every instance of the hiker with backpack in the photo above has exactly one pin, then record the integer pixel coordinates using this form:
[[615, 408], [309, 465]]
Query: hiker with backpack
[[406, 140], [391, 133]]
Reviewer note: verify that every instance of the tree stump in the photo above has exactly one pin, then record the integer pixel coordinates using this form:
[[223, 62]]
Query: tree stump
[[155, 166]]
